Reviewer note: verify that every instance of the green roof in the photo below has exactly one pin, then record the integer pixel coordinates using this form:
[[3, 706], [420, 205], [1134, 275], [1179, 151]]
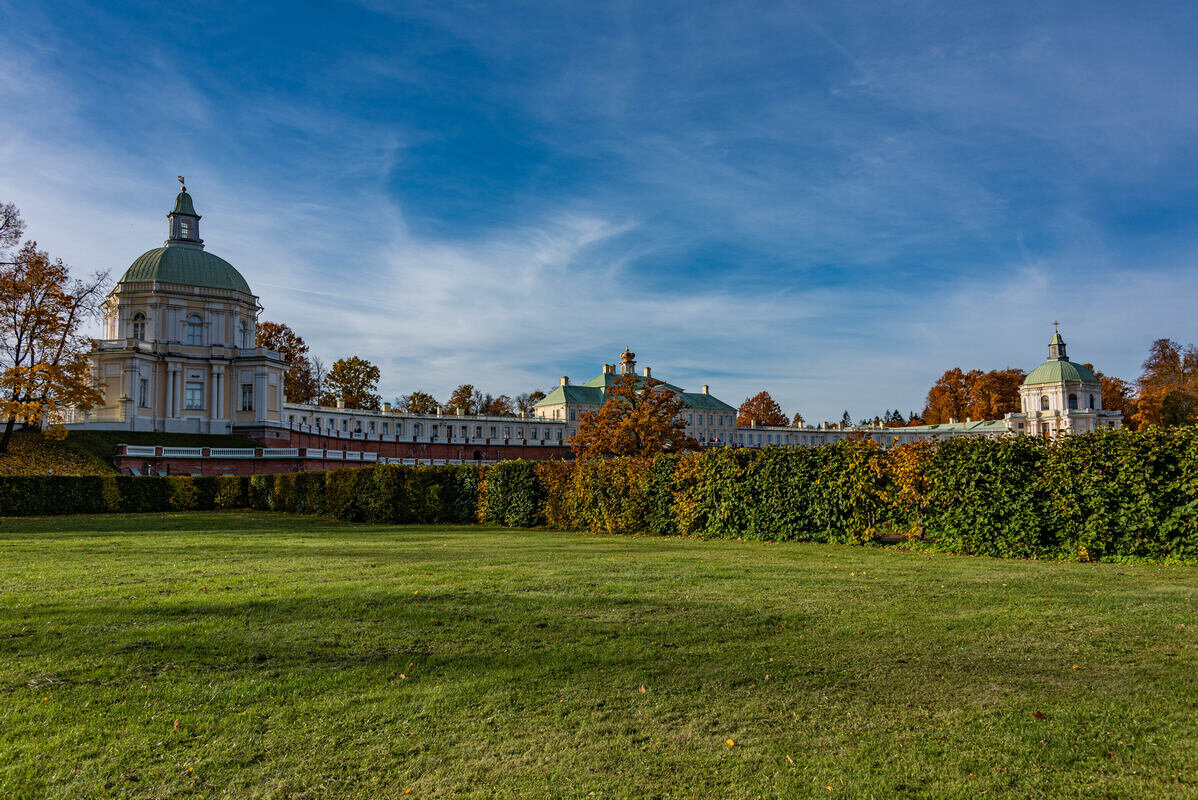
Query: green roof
[[1056, 371], [705, 401], [591, 393], [188, 266], [612, 378], [183, 204], [572, 394]]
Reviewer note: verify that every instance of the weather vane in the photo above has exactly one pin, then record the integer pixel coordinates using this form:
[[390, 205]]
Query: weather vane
[[182, 183]]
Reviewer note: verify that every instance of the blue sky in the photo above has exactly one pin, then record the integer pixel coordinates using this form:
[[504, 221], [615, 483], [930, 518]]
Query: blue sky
[[835, 202]]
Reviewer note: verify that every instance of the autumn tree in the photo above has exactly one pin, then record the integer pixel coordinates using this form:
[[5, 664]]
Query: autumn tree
[[462, 400], [1168, 385], [974, 394], [633, 421], [501, 406], [353, 380], [526, 402], [948, 397], [417, 402], [798, 420], [12, 228], [760, 409], [43, 354], [994, 394], [299, 384], [846, 421]]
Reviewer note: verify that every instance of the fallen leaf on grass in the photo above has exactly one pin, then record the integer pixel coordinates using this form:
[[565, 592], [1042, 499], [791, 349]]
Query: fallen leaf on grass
[[642, 689], [1039, 715]]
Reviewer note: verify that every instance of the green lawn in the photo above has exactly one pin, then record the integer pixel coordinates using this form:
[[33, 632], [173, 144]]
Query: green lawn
[[264, 655]]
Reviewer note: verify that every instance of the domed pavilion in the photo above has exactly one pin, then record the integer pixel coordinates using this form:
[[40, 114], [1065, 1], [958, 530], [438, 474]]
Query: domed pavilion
[[1061, 396], [179, 353]]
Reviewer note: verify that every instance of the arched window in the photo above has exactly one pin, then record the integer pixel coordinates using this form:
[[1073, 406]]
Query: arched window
[[195, 330], [1073, 402], [1091, 402], [245, 336], [139, 326], [1043, 402]]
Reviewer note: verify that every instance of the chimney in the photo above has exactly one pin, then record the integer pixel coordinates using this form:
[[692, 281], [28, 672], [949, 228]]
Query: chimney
[[705, 388], [952, 420], [340, 402], [386, 408], [566, 381], [460, 411], [969, 419], [648, 372], [608, 369]]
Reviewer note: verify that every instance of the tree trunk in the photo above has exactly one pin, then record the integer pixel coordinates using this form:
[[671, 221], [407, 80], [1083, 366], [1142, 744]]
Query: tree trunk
[[7, 434]]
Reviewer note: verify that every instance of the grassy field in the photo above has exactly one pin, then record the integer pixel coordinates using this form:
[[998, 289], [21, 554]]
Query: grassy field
[[258, 655]]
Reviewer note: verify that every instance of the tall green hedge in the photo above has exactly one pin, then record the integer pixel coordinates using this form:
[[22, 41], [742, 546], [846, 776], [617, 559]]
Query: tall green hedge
[[1106, 495]]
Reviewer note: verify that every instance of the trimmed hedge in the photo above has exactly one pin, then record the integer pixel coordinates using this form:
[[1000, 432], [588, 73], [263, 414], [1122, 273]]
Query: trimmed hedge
[[1106, 495]]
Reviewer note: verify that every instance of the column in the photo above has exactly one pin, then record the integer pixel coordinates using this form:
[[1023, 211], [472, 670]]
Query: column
[[214, 405], [259, 394]]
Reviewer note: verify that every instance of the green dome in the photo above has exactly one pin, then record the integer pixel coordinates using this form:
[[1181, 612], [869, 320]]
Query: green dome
[[1055, 371], [188, 266]]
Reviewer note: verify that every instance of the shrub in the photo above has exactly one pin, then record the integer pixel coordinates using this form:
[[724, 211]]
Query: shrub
[[512, 495]]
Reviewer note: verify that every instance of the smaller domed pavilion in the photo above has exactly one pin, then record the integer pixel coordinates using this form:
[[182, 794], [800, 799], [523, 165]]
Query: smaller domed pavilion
[[1061, 396], [179, 353]]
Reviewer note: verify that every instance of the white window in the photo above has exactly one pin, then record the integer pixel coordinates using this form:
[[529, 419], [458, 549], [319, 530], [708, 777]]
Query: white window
[[493, 434], [478, 431], [143, 393], [372, 426], [139, 326], [184, 229], [245, 336], [507, 432], [519, 433], [417, 429], [193, 395], [247, 397], [195, 330], [385, 426]]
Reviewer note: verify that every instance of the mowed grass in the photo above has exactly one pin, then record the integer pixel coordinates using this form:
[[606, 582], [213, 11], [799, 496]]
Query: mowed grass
[[263, 655]]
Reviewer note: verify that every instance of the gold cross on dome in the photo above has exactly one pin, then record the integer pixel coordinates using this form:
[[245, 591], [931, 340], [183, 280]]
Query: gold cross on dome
[[1056, 325]]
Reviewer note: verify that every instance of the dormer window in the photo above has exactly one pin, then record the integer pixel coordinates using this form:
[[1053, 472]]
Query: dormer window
[[195, 330], [139, 326]]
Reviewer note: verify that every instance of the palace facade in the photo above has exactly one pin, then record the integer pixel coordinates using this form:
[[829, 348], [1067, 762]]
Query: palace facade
[[179, 354]]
